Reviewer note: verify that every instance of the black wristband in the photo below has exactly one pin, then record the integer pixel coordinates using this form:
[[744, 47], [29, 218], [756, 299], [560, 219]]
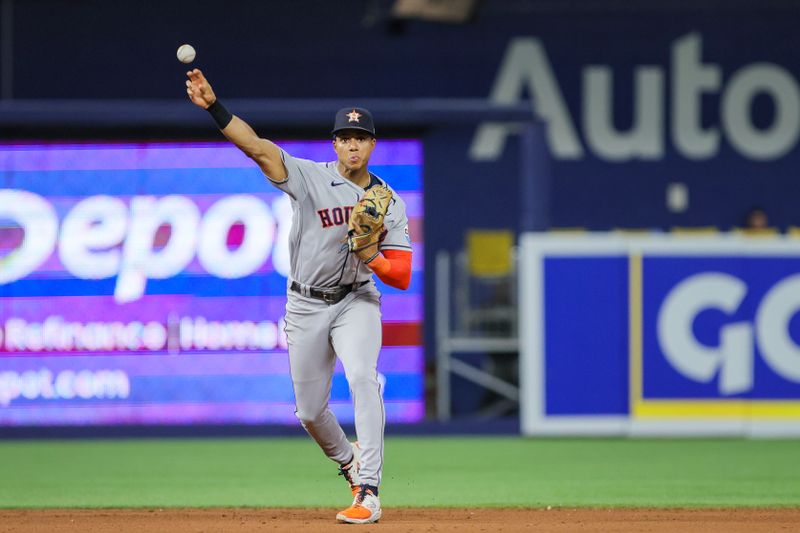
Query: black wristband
[[220, 114]]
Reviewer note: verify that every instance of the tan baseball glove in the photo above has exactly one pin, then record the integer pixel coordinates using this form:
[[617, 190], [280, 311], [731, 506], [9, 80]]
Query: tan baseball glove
[[366, 221]]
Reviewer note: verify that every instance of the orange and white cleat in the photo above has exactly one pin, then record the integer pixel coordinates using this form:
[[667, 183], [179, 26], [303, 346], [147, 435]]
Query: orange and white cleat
[[351, 469], [366, 508]]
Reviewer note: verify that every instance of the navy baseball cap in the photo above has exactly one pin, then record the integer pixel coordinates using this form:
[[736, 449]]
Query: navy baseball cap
[[354, 118]]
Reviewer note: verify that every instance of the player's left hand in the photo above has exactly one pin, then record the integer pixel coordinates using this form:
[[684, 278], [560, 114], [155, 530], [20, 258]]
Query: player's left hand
[[369, 252]]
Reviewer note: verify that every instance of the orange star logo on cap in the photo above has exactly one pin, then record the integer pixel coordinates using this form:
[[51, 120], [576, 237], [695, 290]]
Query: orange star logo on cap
[[353, 116]]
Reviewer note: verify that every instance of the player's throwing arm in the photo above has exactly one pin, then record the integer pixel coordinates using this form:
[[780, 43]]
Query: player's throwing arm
[[264, 152]]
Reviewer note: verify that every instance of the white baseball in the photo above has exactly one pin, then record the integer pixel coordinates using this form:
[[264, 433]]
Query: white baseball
[[186, 53]]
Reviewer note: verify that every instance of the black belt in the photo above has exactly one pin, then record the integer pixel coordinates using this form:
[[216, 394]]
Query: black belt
[[329, 296]]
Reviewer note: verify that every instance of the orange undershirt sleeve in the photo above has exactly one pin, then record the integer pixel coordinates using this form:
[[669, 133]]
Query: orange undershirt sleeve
[[393, 268]]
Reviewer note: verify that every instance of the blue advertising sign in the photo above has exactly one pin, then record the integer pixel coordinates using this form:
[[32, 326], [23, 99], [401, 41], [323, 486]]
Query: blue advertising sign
[[720, 335], [660, 332]]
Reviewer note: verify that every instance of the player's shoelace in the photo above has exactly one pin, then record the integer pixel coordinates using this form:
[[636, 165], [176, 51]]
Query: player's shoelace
[[347, 472], [362, 494]]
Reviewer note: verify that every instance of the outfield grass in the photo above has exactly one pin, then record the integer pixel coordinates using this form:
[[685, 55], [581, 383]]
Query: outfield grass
[[419, 471]]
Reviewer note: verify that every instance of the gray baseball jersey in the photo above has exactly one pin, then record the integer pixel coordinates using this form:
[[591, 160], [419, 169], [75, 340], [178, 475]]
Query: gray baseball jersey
[[317, 332], [321, 202]]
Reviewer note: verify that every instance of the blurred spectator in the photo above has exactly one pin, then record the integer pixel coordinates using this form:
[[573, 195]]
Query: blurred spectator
[[756, 218]]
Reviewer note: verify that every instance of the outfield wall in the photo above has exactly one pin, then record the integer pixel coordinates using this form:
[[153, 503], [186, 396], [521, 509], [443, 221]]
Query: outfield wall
[[660, 335]]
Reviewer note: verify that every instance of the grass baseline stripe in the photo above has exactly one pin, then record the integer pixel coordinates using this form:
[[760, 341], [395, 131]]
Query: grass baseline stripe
[[419, 472]]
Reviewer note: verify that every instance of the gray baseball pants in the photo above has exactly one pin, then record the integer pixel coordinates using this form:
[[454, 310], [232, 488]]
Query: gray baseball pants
[[317, 333]]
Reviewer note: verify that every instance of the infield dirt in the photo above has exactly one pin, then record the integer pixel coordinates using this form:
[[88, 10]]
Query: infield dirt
[[398, 520]]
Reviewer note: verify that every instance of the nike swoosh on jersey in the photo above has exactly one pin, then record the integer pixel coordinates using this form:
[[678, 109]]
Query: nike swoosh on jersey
[[335, 183]]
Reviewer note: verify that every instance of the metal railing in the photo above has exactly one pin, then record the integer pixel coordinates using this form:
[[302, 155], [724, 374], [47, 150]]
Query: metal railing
[[484, 323]]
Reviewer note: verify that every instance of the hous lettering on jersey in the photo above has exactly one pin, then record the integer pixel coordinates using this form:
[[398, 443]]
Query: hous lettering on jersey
[[336, 216]]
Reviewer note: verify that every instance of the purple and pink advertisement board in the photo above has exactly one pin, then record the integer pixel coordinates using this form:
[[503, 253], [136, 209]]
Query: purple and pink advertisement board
[[144, 283]]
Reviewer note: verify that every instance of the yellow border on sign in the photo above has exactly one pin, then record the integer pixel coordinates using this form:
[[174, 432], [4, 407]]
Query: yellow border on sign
[[641, 408], [635, 372]]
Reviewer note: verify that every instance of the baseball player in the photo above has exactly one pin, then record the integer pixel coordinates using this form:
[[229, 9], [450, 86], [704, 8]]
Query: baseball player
[[347, 224]]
